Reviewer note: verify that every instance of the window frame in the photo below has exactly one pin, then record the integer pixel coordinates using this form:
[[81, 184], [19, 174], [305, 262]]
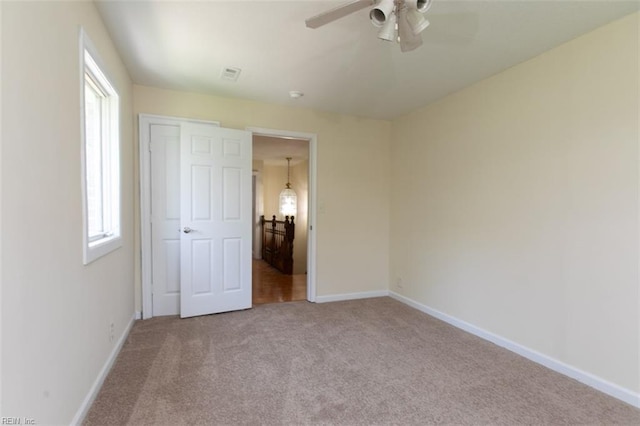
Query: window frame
[[94, 73]]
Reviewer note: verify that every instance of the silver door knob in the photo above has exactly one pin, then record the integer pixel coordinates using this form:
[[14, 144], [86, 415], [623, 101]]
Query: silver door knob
[[186, 230]]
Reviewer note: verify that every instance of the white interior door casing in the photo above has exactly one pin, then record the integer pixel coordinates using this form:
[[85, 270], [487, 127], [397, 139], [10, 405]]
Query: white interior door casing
[[258, 211], [146, 122], [215, 211], [312, 200]]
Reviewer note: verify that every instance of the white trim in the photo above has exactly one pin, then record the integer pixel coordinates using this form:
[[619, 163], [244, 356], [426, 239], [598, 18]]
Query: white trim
[[144, 121], [1, 302], [638, 206], [312, 288], [137, 315], [351, 296], [312, 138], [171, 120], [97, 384], [258, 205], [588, 379], [92, 250]]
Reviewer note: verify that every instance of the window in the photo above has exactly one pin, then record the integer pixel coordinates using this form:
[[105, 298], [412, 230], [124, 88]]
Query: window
[[100, 157]]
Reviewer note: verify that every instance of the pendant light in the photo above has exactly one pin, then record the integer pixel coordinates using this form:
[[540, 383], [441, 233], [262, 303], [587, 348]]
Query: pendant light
[[288, 198]]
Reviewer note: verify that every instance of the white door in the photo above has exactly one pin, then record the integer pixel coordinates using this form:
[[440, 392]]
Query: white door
[[164, 145], [215, 211]]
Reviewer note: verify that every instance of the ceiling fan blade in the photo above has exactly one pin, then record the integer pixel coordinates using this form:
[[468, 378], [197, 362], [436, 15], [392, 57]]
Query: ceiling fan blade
[[408, 40], [338, 12]]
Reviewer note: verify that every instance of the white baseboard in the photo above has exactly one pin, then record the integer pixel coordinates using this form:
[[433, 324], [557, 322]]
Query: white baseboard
[[138, 315], [351, 296], [95, 388], [588, 379]]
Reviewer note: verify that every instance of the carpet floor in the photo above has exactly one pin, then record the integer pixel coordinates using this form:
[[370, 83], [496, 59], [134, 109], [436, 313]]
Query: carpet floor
[[361, 362]]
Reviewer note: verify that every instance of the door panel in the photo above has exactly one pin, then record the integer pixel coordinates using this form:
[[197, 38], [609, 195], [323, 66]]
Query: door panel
[[165, 218], [201, 177], [216, 210], [232, 266], [231, 193], [172, 267], [201, 267]]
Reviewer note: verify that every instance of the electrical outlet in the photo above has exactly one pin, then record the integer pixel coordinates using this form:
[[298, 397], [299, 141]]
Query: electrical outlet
[[399, 283], [112, 331]]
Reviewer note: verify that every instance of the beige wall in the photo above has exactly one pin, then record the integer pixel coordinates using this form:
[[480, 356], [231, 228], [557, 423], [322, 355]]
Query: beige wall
[[55, 311], [258, 165], [515, 204], [352, 179], [274, 178]]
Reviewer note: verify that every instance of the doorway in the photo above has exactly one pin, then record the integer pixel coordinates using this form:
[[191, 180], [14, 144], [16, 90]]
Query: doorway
[[279, 274], [312, 140]]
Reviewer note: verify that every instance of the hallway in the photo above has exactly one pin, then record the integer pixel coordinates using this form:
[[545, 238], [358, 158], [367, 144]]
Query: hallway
[[271, 286]]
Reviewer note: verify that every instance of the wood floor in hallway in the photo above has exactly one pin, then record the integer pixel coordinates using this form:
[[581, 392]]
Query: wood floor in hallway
[[272, 286]]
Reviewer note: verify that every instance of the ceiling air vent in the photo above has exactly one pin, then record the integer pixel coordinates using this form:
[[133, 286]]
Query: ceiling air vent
[[230, 73]]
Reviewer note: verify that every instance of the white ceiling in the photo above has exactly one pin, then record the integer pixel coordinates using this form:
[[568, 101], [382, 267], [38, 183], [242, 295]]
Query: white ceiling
[[341, 67]]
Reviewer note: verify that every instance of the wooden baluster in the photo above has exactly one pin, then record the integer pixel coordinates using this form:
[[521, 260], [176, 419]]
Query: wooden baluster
[[291, 235], [287, 251], [273, 240], [292, 230]]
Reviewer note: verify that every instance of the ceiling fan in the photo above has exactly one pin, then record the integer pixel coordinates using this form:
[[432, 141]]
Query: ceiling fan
[[398, 20]]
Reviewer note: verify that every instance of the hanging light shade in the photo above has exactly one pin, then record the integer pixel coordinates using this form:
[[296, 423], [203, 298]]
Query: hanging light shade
[[416, 21], [381, 12], [288, 197], [388, 31]]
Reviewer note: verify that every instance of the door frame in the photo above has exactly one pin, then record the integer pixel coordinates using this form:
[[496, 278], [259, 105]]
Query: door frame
[[256, 246], [144, 122], [312, 138]]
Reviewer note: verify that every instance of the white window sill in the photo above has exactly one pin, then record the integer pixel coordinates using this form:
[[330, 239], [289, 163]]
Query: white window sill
[[102, 247]]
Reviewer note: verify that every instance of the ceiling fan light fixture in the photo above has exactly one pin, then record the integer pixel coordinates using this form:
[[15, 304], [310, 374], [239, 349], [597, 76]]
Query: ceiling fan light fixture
[[408, 39], [399, 20], [388, 31], [381, 13], [416, 21], [420, 5]]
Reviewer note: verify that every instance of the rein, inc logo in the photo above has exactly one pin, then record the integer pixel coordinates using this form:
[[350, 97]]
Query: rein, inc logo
[[17, 421]]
